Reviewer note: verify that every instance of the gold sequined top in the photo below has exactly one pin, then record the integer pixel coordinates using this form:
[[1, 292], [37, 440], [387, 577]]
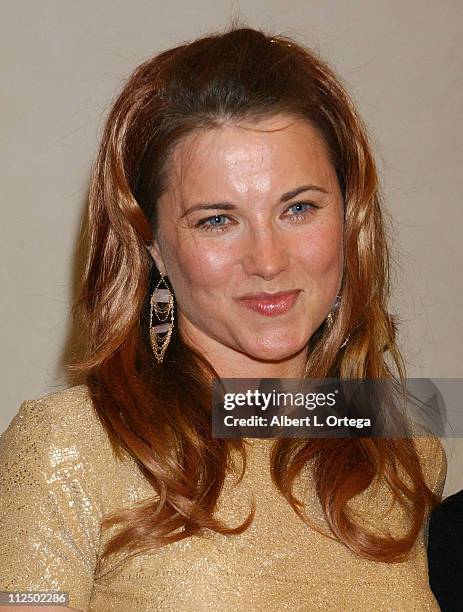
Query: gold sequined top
[[59, 477]]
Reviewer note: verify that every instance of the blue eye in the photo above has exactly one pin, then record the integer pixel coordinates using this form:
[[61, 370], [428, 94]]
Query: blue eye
[[217, 217], [204, 222], [303, 204]]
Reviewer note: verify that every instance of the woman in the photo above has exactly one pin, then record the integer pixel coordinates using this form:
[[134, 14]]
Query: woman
[[230, 166]]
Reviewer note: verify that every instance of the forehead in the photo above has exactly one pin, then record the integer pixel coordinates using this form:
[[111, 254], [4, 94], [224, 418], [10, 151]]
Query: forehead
[[250, 155]]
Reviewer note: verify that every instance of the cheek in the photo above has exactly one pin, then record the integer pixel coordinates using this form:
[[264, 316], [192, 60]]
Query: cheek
[[322, 250], [202, 265]]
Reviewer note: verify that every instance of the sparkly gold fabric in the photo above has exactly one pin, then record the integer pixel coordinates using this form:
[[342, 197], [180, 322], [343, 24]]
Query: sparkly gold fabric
[[59, 477]]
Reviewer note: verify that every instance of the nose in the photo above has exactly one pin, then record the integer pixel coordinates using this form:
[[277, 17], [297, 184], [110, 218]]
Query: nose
[[266, 253]]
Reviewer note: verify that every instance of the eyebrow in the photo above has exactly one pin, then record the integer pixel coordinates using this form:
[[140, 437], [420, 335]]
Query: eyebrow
[[288, 195]]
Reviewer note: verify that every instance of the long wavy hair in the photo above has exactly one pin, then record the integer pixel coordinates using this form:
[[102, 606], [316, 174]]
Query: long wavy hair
[[161, 413]]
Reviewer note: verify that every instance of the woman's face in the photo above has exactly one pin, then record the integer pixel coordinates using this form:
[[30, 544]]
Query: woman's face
[[260, 241]]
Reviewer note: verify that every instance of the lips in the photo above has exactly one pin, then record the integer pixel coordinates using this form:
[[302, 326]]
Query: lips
[[270, 304]]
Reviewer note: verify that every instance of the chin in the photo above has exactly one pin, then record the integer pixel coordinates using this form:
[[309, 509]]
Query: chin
[[273, 353]]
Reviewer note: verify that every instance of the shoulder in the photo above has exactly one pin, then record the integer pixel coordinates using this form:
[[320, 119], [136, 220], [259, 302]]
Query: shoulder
[[72, 406], [433, 460], [57, 425], [70, 409]]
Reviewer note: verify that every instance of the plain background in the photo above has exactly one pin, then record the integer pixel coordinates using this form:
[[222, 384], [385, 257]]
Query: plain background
[[62, 64]]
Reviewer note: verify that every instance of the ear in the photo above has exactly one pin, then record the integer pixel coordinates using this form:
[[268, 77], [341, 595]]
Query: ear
[[155, 253]]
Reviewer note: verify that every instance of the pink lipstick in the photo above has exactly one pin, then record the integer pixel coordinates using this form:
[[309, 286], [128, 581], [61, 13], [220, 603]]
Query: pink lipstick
[[270, 304]]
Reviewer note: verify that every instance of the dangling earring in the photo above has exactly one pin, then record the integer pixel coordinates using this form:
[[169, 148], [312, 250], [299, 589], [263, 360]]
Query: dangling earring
[[330, 318], [166, 297]]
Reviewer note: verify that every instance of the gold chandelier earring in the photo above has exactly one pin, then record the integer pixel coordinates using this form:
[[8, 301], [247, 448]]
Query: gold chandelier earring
[[161, 303], [330, 318]]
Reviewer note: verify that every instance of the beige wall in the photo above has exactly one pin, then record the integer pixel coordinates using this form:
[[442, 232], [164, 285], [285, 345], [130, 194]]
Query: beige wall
[[62, 63]]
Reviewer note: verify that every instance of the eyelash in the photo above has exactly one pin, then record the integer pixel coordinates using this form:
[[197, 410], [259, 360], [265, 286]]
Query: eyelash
[[224, 228]]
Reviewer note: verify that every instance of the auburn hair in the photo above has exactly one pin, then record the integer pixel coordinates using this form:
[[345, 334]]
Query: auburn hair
[[160, 413]]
